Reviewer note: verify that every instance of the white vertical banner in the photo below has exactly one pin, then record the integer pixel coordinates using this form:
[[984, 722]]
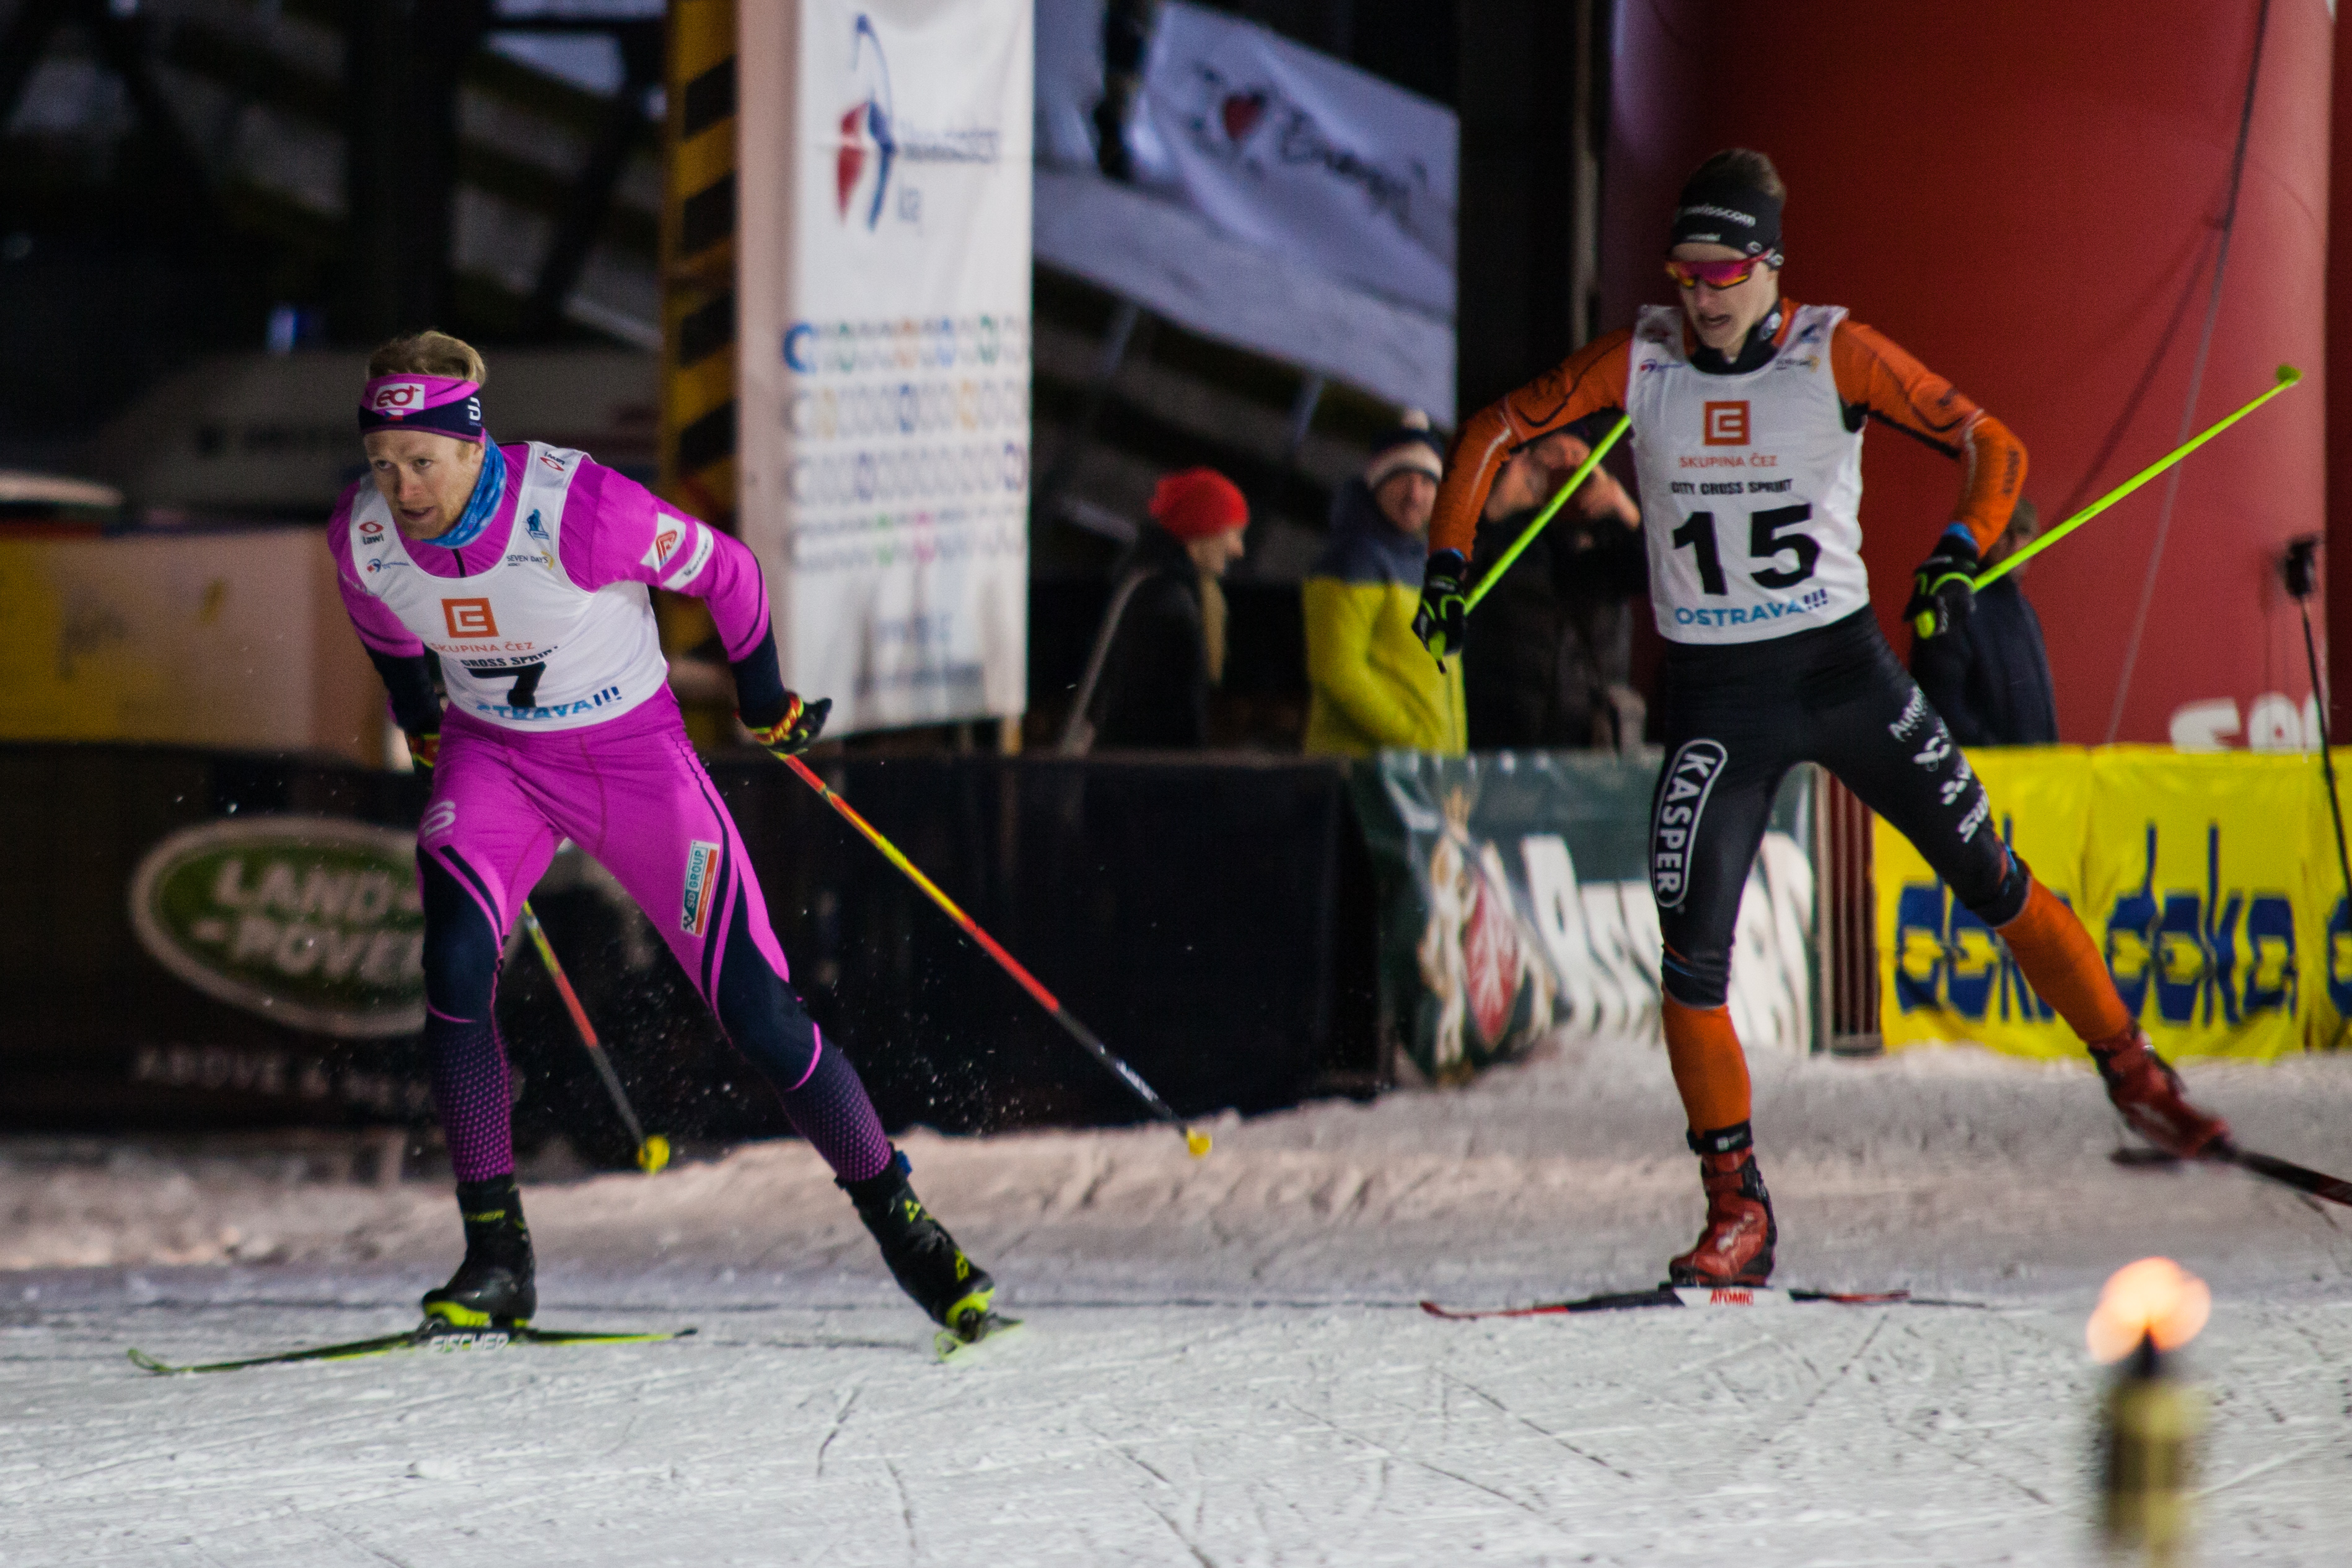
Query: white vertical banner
[[883, 316]]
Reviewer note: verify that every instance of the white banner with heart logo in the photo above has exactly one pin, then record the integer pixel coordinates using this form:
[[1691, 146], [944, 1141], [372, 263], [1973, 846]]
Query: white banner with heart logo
[[1306, 156]]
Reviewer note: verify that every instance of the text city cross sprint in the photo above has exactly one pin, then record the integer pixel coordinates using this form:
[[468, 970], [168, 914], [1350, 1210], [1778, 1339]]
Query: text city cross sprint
[[1728, 423]]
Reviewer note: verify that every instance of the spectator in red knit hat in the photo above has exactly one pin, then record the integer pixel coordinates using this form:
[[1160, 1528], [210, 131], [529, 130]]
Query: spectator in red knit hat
[[1162, 643]]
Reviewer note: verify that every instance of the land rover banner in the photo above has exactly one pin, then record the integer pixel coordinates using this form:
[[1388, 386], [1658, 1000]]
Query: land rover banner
[[884, 309], [312, 922], [1514, 901]]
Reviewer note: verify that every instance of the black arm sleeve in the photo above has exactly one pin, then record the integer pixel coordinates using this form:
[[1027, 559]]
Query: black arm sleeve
[[760, 695], [415, 705]]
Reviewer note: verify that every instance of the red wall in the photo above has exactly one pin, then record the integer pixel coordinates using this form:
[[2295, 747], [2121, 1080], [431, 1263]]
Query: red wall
[[2026, 197]]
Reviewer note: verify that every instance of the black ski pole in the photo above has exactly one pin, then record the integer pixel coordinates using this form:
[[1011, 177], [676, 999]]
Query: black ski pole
[[2302, 580]]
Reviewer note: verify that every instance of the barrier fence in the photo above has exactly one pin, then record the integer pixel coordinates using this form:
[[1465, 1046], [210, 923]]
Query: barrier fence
[[219, 939]]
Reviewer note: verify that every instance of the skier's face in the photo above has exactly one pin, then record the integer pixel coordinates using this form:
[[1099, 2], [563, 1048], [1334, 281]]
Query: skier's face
[[427, 478], [1722, 318]]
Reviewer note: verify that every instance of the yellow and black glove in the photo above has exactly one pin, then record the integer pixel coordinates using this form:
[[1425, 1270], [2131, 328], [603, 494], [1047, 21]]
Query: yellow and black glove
[[1444, 618], [425, 750], [1944, 589], [797, 730]]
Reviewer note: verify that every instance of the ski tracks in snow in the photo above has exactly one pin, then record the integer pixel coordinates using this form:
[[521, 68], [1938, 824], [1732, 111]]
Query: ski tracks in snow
[[1223, 1366]]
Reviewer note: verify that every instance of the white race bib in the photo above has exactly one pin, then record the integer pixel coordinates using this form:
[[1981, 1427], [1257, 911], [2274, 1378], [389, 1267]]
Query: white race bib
[[521, 645], [1752, 486]]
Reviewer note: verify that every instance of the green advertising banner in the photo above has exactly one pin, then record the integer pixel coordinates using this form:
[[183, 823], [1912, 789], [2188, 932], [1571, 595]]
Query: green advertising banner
[[1515, 901], [312, 922]]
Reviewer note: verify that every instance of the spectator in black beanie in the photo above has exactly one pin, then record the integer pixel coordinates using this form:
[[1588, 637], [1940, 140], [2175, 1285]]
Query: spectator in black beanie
[[1990, 674]]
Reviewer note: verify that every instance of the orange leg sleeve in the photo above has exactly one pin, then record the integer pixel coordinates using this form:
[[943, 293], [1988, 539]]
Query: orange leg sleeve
[[1710, 1069], [2063, 966]]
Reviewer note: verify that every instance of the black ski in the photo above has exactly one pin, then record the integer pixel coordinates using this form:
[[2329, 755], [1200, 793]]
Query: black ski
[[1694, 1296], [432, 1335], [2335, 1189]]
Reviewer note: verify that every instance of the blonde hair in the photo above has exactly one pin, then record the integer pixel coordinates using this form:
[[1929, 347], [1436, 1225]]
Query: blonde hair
[[428, 353]]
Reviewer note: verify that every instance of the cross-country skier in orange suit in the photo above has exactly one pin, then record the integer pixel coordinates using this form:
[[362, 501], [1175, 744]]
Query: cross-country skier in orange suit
[[1748, 414]]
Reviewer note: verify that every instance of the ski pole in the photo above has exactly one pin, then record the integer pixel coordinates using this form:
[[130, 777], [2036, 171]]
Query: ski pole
[[1196, 1143], [2287, 376], [2302, 582], [653, 1152], [1527, 535]]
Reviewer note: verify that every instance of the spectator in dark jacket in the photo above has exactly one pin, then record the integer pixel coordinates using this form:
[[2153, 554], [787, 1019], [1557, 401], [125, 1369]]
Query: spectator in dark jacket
[[1166, 623], [1550, 652], [1990, 674]]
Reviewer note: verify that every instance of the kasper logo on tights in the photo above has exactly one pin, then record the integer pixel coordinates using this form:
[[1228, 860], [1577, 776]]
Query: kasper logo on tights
[[1683, 793], [701, 872]]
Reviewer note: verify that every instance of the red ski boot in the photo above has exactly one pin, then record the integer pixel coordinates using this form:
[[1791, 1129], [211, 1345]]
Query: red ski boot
[[1736, 1247], [2154, 1103]]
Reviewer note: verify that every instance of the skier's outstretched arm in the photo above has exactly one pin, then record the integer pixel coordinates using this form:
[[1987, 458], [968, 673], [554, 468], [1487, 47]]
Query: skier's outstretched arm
[[1588, 382]]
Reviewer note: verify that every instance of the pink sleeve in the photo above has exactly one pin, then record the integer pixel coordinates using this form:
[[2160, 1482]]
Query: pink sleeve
[[378, 627], [615, 530]]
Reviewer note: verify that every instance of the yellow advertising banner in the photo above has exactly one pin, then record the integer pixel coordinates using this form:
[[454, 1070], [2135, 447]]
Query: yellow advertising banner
[[229, 638], [2210, 881]]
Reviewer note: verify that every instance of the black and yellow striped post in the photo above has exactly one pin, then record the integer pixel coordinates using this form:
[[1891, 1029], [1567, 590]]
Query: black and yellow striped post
[[697, 304], [697, 261]]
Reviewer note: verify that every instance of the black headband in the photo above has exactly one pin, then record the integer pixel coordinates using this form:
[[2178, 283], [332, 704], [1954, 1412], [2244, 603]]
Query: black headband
[[1739, 216]]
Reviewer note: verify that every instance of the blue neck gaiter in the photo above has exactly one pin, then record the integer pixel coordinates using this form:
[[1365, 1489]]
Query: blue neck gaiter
[[483, 505]]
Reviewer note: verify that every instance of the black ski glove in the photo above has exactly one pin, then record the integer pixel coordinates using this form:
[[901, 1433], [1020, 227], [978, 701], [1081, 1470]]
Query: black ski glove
[[798, 729], [1944, 590], [1444, 618]]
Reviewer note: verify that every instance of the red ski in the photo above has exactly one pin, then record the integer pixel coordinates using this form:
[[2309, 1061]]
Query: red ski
[[1693, 1296], [2335, 1189]]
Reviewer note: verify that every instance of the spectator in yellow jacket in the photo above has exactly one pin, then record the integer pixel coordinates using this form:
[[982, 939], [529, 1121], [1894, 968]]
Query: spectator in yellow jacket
[[1371, 685]]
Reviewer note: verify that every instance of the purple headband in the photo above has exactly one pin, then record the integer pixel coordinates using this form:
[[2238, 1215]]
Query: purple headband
[[442, 404]]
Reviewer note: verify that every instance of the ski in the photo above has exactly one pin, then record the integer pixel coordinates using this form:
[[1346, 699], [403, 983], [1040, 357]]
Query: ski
[[2335, 1189], [433, 1336], [1693, 1296], [991, 1331]]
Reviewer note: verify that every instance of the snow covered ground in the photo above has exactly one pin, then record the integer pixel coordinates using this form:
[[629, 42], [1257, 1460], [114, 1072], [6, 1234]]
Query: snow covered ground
[[1224, 1363]]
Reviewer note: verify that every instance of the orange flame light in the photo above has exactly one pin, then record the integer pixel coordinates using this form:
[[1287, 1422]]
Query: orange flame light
[[2154, 1299]]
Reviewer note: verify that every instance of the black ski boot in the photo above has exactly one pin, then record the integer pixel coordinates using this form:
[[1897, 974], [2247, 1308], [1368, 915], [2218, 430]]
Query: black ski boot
[[493, 1286], [923, 1258]]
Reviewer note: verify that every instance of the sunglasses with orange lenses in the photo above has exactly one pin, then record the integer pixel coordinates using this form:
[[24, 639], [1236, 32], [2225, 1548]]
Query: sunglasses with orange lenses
[[1714, 274]]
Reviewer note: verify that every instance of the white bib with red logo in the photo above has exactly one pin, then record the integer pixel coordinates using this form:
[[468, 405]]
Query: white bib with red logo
[[1752, 486], [521, 645]]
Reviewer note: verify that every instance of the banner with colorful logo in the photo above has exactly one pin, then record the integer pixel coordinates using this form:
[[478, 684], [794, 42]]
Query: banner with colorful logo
[[2210, 881], [883, 267], [1515, 901], [1303, 155]]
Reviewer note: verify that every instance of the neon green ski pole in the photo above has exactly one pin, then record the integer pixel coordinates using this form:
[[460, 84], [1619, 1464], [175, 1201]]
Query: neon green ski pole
[[1527, 535], [2287, 376]]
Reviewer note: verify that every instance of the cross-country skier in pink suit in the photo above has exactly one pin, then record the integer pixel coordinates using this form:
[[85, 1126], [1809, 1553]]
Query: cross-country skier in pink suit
[[525, 568]]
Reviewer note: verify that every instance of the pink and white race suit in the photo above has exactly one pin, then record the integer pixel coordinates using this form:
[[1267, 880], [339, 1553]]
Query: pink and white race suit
[[560, 725]]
